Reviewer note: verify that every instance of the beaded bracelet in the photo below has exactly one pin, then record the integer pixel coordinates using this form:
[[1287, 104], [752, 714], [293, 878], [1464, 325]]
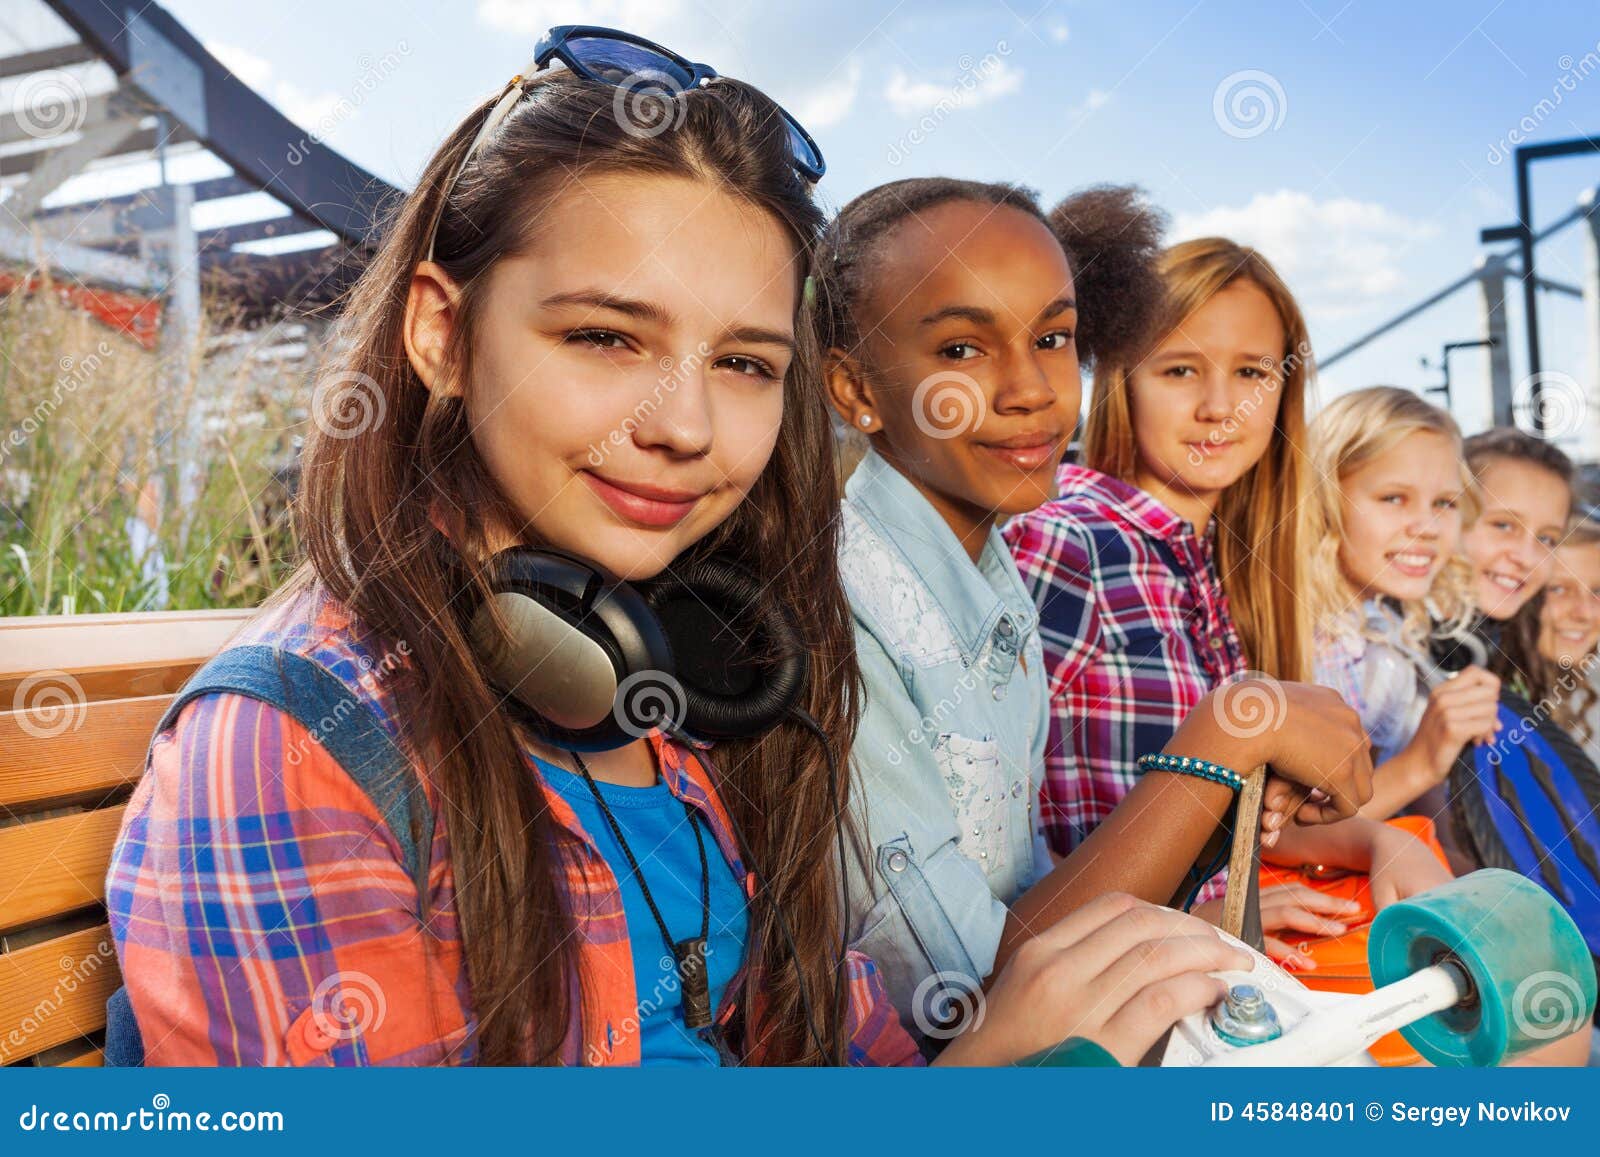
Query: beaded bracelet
[[1189, 765]]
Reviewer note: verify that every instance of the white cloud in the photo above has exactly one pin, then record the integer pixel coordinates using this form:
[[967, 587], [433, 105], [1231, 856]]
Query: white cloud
[[1097, 99], [253, 70], [831, 102], [1337, 255], [1059, 32], [988, 80], [533, 18], [316, 112]]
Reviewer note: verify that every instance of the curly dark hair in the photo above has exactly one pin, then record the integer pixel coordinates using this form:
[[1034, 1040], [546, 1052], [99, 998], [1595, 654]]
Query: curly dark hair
[[1111, 236]]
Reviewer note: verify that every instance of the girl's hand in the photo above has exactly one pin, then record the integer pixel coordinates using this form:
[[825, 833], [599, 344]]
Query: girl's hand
[[1310, 736], [1462, 709], [1117, 971], [1402, 866], [1291, 908]]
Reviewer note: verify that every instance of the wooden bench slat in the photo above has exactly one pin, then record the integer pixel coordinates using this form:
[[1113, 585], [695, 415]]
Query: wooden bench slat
[[110, 656], [93, 1059], [55, 991], [101, 746], [55, 866]]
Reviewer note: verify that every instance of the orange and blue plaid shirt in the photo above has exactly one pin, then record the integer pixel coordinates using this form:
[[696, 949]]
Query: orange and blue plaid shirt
[[263, 915]]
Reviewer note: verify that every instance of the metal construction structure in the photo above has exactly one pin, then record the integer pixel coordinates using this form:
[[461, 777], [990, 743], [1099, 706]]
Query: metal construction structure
[[1493, 274], [97, 85]]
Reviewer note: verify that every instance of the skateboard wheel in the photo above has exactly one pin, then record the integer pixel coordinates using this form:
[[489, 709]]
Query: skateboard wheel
[[1532, 978]]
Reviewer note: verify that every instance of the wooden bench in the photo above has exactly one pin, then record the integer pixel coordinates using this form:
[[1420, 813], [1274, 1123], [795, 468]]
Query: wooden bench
[[79, 698]]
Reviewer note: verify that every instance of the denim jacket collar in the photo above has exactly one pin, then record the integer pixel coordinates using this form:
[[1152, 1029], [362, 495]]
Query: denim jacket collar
[[908, 522]]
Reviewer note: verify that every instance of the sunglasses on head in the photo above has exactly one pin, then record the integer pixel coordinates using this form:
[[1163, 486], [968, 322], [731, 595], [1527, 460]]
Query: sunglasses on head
[[621, 59], [632, 64]]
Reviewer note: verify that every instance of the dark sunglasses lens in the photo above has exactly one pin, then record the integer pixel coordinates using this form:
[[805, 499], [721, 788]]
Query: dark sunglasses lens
[[806, 154], [629, 65]]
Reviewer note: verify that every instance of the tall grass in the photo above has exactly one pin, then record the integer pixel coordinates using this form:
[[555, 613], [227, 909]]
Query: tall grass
[[93, 513]]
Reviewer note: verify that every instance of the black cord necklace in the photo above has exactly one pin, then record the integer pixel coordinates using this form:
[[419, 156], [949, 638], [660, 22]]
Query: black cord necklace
[[689, 956]]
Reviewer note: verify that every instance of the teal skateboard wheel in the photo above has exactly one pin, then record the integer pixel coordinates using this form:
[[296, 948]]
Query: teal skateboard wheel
[[1532, 978]]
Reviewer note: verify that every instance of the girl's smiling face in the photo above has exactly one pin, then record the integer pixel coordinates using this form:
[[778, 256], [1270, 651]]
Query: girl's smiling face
[[1401, 512], [1512, 544], [1569, 620], [1204, 403], [624, 401], [969, 371]]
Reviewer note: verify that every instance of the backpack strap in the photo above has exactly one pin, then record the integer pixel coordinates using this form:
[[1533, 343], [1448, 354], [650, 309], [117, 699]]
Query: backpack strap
[[348, 728], [343, 723]]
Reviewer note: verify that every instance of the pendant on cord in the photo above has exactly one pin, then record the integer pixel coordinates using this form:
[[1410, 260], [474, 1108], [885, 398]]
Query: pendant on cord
[[691, 956]]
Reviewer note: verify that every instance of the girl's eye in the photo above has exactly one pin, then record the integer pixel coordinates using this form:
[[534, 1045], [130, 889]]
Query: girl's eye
[[1252, 372], [1447, 503], [1179, 372], [1392, 499], [599, 338], [1059, 340], [1501, 524], [959, 351], [750, 367], [1548, 540]]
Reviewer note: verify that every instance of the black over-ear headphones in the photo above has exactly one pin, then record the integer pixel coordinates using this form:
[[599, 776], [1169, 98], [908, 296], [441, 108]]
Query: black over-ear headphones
[[590, 662]]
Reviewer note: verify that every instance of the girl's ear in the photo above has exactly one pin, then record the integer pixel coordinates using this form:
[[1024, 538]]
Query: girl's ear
[[429, 323], [849, 391]]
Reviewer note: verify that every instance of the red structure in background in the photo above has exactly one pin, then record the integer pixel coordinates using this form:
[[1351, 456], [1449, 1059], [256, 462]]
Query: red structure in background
[[138, 317]]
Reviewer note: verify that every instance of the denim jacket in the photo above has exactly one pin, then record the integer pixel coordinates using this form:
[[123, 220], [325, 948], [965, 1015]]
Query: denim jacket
[[950, 751]]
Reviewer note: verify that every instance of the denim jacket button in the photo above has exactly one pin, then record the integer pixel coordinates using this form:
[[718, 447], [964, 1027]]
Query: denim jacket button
[[897, 861], [1000, 692]]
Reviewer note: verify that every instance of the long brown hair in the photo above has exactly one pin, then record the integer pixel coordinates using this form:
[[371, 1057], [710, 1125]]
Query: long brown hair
[[396, 518], [1258, 537]]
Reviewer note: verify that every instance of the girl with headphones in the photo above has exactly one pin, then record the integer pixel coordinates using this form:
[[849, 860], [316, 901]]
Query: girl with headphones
[[524, 765]]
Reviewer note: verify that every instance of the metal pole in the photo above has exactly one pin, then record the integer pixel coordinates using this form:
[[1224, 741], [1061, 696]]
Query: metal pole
[[1530, 287], [1492, 282]]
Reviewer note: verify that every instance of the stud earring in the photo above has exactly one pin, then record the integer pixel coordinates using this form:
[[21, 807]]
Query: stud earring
[[866, 420]]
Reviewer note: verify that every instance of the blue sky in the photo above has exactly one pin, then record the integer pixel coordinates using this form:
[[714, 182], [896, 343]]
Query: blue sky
[[1364, 171]]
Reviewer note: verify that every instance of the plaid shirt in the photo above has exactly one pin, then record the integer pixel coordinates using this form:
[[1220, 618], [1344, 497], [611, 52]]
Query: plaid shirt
[[263, 915], [1136, 631]]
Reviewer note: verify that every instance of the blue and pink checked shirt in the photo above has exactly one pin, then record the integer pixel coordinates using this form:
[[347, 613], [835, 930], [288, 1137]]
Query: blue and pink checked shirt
[[1136, 631], [263, 914]]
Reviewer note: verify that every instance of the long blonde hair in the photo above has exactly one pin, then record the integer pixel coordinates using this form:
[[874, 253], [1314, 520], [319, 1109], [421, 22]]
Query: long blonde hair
[[1258, 537], [1350, 432]]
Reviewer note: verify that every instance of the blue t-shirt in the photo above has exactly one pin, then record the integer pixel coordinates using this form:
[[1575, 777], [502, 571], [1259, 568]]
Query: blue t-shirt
[[656, 825]]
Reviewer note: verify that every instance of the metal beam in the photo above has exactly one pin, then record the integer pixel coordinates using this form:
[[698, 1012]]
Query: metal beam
[[80, 261], [45, 59], [66, 162]]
